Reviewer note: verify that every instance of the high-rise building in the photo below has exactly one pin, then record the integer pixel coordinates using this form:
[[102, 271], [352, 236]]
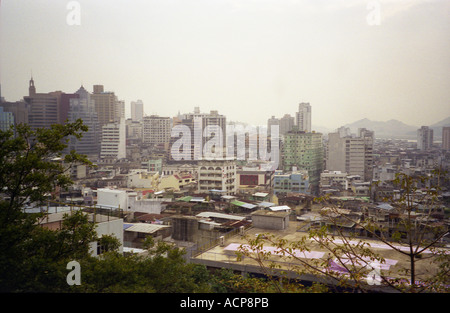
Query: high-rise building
[[109, 108], [287, 123], [304, 151], [137, 110], [353, 155], [204, 126], [303, 117], [369, 137], [156, 129], [45, 109], [272, 121], [64, 106], [113, 144], [446, 138], [424, 138], [19, 109], [83, 108]]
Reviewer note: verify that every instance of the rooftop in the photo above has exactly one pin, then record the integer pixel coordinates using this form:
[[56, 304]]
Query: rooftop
[[224, 255]]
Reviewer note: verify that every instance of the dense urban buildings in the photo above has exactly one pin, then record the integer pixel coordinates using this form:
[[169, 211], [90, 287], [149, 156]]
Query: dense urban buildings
[[198, 129], [173, 185], [46, 109]]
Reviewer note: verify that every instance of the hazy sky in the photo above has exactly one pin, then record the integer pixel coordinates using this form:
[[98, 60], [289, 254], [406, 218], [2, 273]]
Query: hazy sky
[[248, 59]]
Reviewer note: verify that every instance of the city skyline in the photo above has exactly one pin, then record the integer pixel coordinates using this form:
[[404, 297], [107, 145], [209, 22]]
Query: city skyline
[[249, 60]]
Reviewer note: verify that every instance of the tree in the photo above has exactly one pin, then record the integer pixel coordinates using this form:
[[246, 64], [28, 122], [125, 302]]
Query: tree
[[32, 166], [410, 232]]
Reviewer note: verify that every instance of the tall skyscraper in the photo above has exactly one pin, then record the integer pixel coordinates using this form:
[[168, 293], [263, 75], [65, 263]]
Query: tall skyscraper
[[446, 138], [109, 108], [83, 107], [137, 110], [303, 117], [304, 151], [424, 138]]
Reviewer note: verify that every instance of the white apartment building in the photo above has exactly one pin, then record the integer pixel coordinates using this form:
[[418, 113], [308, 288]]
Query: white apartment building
[[217, 175], [113, 144], [156, 129]]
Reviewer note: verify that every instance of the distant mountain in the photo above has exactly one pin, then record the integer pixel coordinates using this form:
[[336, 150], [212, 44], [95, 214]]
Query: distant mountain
[[444, 122], [437, 127], [389, 129], [395, 128], [322, 129]]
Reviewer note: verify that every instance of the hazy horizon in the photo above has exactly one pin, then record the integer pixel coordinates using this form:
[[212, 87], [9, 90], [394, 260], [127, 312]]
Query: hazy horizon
[[248, 59]]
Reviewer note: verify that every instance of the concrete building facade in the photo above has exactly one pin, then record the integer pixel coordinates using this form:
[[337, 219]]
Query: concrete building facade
[[352, 155], [424, 138], [296, 181], [303, 117], [83, 107], [446, 138], [109, 108], [137, 110], [156, 129], [6, 120], [113, 144], [217, 175]]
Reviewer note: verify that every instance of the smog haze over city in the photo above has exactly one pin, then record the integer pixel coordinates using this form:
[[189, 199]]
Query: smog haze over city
[[248, 59]]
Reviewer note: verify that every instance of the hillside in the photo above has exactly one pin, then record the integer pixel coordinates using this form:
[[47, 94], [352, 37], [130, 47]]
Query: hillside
[[389, 129]]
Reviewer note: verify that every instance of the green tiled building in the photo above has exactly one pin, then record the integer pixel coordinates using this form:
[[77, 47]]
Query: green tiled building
[[305, 151]]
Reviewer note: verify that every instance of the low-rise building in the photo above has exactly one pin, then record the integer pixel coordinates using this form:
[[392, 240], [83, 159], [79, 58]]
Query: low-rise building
[[270, 219], [334, 179], [296, 181], [217, 175]]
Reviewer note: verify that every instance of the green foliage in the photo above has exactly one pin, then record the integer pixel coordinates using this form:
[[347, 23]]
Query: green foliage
[[29, 173]]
